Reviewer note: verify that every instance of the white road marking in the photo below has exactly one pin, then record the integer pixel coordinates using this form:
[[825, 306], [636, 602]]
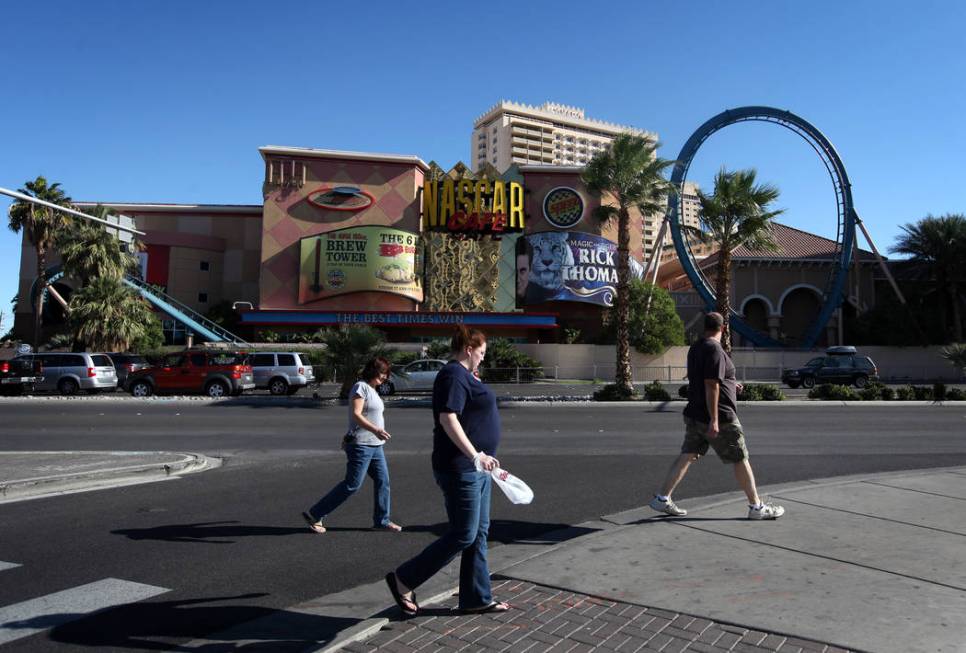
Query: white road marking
[[7, 565], [37, 615]]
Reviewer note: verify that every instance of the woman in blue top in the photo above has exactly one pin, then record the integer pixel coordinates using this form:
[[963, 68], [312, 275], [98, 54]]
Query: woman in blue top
[[363, 444], [466, 432]]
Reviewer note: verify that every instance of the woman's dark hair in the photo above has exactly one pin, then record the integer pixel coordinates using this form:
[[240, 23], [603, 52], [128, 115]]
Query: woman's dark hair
[[375, 367], [465, 337]]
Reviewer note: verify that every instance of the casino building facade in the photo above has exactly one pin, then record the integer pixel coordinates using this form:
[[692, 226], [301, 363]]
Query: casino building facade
[[381, 239]]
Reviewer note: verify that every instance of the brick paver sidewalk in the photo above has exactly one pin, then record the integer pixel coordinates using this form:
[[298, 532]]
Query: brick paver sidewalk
[[548, 619]]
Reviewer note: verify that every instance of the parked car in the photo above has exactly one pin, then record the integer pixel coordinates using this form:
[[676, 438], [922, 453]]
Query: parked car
[[214, 373], [125, 363], [418, 375], [281, 372], [20, 375], [840, 365], [69, 373]]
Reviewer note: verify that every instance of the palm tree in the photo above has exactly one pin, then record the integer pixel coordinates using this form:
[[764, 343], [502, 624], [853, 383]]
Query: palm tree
[[956, 355], [88, 251], [738, 213], [347, 350], [108, 315], [940, 243], [39, 224], [633, 174]]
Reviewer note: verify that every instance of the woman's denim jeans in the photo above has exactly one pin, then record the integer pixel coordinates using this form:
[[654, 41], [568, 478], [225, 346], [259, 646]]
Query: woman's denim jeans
[[361, 459], [467, 497]]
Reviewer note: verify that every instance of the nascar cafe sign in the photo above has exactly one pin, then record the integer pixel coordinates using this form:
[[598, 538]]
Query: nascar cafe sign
[[473, 207]]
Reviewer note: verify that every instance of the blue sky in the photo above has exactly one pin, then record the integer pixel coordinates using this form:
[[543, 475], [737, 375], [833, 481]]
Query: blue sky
[[169, 101]]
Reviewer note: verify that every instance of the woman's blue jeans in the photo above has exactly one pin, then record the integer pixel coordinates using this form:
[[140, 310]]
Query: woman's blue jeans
[[360, 460], [467, 497]]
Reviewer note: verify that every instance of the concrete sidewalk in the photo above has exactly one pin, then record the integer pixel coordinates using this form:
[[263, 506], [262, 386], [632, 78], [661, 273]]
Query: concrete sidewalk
[[35, 474], [870, 563]]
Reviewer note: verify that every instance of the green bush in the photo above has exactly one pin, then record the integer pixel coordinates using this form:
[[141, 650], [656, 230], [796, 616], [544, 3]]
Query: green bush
[[887, 393], [956, 394], [761, 392], [656, 392], [906, 393], [401, 358], [831, 392], [922, 392], [612, 392], [502, 361], [872, 392]]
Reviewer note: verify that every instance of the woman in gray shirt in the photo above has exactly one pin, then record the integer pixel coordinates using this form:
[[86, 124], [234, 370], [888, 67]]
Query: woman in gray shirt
[[363, 448]]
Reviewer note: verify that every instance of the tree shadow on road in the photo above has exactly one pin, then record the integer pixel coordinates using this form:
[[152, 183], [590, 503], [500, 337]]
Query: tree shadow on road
[[165, 625], [215, 532]]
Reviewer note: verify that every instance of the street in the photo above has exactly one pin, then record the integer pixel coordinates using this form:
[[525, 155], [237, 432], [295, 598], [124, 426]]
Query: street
[[226, 546]]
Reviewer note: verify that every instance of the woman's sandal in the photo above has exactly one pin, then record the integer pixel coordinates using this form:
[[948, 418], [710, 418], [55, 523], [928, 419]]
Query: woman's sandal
[[495, 606], [410, 610], [316, 526]]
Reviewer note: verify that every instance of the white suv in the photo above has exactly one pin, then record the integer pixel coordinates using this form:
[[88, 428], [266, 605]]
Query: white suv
[[283, 373]]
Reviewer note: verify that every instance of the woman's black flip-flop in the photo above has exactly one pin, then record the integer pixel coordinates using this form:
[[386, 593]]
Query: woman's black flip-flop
[[496, 606], [399, 599]]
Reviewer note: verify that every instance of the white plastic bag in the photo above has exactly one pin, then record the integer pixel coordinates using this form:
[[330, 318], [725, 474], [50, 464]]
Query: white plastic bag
[[513, 487]]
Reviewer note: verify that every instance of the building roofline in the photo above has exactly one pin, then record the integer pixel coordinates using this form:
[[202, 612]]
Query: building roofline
[[177, 208], [551, 168], [589, 123], [342, 154]]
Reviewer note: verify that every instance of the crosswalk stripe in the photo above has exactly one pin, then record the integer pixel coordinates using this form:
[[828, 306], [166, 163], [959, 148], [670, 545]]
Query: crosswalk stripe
[[37, 615], [7, 565]]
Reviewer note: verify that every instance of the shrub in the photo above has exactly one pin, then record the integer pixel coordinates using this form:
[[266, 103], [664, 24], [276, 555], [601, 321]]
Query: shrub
[[401, 358], [922, 392], [833, 392], [502, 361], [887, 393], [870, 394], [956, 394], [656, 392], [760, 392], [905, 393], [613, 392]]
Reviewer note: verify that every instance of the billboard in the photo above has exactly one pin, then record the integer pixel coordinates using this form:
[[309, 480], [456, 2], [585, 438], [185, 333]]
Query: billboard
[[566, 266], [360, 258]]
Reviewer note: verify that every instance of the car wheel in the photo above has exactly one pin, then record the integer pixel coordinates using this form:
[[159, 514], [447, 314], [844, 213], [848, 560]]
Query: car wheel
[[793, 385], [68, 387], [808, 382], [217, 389], [141, 389], [861, 381], [278, 386]]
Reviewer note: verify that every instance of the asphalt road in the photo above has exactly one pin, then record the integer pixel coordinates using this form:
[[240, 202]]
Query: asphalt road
[[229, 544]]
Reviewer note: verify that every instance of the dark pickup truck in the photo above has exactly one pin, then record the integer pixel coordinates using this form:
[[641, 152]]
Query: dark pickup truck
[[19, 375]]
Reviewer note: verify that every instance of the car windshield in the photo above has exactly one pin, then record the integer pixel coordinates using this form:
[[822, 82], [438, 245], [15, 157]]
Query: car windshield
[[815, 362]]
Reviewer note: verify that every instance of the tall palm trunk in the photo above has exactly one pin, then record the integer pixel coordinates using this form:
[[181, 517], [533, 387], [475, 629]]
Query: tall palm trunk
[[957, 316], [41, 287], [723, 293], [623, 377]]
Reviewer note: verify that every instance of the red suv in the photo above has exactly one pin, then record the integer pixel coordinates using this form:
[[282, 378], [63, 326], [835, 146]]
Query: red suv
[[214, 373]]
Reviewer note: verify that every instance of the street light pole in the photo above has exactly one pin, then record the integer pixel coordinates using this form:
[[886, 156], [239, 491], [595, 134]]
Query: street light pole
[[33, 200]]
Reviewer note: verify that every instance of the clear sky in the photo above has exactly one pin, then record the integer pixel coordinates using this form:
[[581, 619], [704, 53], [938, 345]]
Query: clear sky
[[168, 101]]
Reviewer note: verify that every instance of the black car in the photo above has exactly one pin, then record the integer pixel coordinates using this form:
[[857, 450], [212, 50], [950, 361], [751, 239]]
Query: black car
[[840, 365], [19, 375]]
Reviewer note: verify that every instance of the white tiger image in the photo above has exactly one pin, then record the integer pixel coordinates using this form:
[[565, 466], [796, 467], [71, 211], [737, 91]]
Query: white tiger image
[[551, 256]]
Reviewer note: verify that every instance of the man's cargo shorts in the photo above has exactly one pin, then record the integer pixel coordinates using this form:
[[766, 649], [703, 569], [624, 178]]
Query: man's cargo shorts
[[729, 445]]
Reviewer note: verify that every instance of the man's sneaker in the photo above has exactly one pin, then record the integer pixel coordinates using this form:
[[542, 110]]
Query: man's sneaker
[[667, 507], [767, 511]]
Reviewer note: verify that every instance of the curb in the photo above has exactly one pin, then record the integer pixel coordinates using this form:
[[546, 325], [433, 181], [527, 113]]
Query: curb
[[43, 486]]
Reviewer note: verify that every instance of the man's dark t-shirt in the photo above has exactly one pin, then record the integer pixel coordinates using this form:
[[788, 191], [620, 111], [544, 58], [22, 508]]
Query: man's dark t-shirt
[[708, 360], [456, 390]]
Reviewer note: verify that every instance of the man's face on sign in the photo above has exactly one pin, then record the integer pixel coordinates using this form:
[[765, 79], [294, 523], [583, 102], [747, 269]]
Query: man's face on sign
[[523, 274]]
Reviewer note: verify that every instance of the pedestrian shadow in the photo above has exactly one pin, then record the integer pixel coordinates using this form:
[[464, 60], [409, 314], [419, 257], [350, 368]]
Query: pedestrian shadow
[[670, 519], [166, 625], [258, 402], [215, 532], [511, 531]]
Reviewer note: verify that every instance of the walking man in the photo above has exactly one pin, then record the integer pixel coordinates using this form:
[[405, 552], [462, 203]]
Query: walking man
[[711, 419]]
